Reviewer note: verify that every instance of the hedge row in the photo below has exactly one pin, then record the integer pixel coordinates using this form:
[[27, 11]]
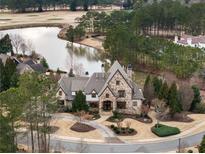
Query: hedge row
[[163, 130]]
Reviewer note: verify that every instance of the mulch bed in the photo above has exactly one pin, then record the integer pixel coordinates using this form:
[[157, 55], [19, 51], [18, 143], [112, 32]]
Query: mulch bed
[[123, 131], [80, 127]]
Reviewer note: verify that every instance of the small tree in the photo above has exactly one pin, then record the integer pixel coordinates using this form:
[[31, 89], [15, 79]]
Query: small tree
[[157, 83], [79, 103], [164, 90], [173, 100], [44, 63], [71, 74], [197, 98], [202, 146], [6, 45]]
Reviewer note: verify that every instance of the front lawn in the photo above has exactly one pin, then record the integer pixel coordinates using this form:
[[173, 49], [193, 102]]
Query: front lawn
[[163, 130]]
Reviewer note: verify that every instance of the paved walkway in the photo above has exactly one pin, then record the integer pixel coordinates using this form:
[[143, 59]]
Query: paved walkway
[[106, 132]]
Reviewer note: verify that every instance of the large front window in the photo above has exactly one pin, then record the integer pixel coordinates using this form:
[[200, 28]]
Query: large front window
[[121, 93], [121, 105]]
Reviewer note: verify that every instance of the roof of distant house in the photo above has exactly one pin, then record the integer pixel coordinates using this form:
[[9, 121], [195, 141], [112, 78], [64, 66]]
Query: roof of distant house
[[194, 39]]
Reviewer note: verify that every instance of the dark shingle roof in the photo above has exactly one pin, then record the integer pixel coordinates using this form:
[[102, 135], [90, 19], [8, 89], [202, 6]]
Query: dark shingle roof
[[96, 82], [38, 68]]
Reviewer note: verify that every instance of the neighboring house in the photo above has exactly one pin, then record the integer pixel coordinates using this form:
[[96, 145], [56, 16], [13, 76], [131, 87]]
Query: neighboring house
[[30, 66], [193, 41], [109, 91], [27, 65]]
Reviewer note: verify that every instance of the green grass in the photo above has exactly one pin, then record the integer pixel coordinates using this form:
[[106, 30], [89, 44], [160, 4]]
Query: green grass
[[163, 130]]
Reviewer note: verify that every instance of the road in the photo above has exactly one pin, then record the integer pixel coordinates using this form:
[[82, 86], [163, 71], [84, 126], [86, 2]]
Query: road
[[162, 145], [156, 146]]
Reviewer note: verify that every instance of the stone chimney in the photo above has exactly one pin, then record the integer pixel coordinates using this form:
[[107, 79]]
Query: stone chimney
[[103, 68], [129, 71]]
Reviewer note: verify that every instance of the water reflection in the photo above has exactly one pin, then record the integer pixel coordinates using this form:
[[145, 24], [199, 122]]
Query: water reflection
[[56, 51]]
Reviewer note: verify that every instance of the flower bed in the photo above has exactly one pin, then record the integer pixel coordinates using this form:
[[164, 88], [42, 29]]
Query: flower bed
[[80, 127], [123, 131], [117, 117], [163, 130]]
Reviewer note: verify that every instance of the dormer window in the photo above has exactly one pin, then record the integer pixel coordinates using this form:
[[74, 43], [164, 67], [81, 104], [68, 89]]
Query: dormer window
[[117, 82], [107, 96]]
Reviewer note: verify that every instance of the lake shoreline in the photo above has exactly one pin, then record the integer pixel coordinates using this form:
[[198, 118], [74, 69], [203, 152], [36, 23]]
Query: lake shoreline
[[61, 34]]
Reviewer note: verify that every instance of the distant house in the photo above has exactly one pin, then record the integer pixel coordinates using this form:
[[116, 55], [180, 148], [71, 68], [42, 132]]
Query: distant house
[[192, 41], [113, 90], [30, 66], [24, 65]]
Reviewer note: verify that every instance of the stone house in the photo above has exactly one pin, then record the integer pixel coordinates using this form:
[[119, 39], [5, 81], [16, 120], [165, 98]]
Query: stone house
[[106, 92]]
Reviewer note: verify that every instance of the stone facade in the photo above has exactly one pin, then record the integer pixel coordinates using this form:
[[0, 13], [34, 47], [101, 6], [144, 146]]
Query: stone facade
[[110, 91], [124, 86]]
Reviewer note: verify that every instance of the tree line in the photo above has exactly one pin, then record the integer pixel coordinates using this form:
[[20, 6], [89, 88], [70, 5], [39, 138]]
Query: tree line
[[177, 97], [43, 5], [135, 36]]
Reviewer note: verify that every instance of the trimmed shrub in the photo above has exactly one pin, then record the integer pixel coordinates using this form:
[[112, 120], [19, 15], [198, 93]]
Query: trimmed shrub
[[163, 130]]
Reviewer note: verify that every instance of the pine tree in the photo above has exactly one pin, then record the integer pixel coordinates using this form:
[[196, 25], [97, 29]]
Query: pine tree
[[6, 45], [197, 98], [202, 146], [44, 63], [157, 83], [173, 100], [79, 103], [71, 74], [1, 75], [9, 71], [148, 89], [164, 90], [6, 136]]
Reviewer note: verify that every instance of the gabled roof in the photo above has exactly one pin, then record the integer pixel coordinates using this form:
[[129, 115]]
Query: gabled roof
[[96, 82], [71, 84], [116, 67], [29, 62]]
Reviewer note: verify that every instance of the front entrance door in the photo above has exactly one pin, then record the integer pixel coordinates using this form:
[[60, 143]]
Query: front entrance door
[[107, 105]]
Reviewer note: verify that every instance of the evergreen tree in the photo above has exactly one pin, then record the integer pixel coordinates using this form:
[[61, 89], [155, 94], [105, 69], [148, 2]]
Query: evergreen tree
[[1, 75], [197, 98], [71, 74], [157, 83], [79, 103], [202, 146], [148, 89], [6, 45], [6, 136], [73, 5], [164, 90], [9, 71], [173, 100], [44, 63]]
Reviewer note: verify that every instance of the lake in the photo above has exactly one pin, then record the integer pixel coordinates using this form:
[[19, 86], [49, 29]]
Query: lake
[[46, 43]]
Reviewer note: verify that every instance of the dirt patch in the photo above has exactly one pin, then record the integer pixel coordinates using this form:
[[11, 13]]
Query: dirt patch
[[80, 127]]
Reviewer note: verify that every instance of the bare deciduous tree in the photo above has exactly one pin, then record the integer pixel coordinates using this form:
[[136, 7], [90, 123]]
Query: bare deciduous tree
[[17, 41], [187, 96]]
